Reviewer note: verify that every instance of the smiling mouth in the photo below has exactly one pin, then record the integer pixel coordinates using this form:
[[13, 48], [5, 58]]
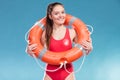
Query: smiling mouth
[[61, 19]]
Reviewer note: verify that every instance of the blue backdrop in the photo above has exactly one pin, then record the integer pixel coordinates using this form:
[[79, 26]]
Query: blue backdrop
[[17, 16]]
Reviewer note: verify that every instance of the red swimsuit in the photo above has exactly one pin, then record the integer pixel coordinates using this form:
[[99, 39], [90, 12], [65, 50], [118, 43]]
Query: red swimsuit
[[57, 46]]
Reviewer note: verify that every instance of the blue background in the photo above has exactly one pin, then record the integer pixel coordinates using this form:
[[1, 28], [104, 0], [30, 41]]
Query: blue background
[[17, 16]]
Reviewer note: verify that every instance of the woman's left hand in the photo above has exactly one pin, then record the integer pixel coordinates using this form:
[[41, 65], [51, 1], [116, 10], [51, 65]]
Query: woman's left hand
[[87, 45]]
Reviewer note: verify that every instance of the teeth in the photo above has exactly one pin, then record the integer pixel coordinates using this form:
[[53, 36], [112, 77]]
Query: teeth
[[60, 19]]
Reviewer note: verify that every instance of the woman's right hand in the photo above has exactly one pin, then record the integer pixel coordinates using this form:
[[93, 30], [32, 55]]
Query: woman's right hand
[[30, 48]]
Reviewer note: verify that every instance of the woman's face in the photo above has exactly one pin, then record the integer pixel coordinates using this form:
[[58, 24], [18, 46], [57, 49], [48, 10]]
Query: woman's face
[[58, 15]]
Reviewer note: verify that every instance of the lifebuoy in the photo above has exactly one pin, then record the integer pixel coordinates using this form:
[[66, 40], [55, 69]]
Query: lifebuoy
[[54, 58]]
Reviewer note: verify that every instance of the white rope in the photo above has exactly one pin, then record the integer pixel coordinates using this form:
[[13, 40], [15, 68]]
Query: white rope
[[84, 57], [46, 68], [91, 28], [80, 66], [26, 34]]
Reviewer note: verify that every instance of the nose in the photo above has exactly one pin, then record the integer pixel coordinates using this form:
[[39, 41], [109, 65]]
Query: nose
[[61, 15]]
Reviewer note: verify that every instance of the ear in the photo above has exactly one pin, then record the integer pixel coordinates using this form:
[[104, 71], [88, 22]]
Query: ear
[[50, 17]]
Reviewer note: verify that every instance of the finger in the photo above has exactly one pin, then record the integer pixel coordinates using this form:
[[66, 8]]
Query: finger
[[30, 51], [89, 40], [84, 43], [87, 46], [32, 47]]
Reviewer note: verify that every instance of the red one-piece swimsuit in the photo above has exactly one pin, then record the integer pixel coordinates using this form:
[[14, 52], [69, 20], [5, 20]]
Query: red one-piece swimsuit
[[58, 46]]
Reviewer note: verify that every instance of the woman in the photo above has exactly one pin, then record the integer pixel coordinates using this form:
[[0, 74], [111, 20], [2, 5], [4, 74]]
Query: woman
[[56, 37]]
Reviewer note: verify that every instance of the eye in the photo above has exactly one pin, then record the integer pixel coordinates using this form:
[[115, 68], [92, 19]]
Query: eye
[[56, 13], [63, 12]]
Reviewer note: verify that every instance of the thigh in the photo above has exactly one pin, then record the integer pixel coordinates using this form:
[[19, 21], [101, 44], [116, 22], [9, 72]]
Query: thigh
[[70, 76], [47, 77]]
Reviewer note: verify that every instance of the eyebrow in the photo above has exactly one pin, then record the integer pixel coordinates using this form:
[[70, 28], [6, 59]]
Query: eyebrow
[[59, 11]]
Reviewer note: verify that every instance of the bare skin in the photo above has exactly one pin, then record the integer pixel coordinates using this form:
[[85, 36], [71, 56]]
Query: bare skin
[[58, 17], [86, 45]]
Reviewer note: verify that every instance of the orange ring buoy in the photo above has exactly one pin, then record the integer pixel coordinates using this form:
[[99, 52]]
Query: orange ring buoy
[[51, 57]]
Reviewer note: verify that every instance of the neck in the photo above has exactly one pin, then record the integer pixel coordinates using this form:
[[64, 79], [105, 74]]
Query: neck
[[57, 27]]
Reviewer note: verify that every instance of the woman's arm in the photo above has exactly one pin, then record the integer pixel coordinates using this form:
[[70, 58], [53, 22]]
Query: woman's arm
[[31, 47], [86, 44], [43, 40]]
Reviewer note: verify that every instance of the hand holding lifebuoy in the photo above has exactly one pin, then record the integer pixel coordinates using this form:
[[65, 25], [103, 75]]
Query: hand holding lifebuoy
[[30, 48], [87, 46]]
